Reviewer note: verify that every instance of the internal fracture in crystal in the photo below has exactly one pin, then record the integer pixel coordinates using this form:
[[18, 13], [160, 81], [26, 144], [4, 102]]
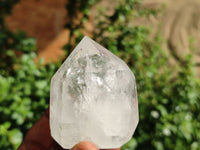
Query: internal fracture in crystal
[[93, 98]]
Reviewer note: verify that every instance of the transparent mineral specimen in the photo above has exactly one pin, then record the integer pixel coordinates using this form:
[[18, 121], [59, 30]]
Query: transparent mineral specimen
[[93, 98]]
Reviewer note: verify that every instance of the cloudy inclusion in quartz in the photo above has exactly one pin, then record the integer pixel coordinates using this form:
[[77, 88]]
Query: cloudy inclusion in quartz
[[93, 98]]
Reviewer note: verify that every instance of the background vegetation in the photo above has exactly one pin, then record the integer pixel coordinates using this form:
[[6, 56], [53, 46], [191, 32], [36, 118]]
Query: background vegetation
[[169, 97]]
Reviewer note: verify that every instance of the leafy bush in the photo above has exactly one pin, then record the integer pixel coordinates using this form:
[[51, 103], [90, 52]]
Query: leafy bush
[[24, 96], [24, 85], [168, 96]]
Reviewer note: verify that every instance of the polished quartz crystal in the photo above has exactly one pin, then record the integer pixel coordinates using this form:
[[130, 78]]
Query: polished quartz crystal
[[93, 98]]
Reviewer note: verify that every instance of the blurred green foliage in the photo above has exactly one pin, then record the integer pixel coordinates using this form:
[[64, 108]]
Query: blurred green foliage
[[169, 97], [24, 85]]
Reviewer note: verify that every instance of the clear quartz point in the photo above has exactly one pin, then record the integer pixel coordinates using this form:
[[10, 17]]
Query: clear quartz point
[[93, 98]]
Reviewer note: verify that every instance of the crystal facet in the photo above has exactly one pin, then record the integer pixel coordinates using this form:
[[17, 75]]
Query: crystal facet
[[93, 98]]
